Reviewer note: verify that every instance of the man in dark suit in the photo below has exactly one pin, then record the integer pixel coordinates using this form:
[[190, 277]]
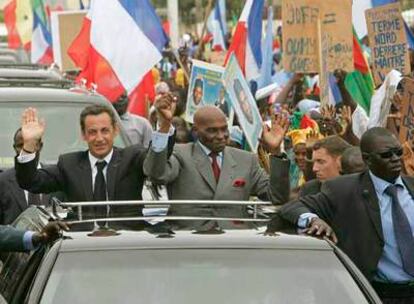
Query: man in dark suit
[[101, 173], [210, 170], [12, 239], [13, 199], [372, 215]]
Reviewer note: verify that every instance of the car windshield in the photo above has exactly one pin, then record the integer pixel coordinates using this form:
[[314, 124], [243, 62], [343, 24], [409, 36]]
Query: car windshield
[[201, 276], [62, 129]]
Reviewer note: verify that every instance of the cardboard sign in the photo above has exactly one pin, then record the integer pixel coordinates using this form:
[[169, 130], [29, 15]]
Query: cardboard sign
[[407, 113], [65, 27], [388, 41], [301, 38], [243, 103], [336, 24], [324, 74], [206, 88]]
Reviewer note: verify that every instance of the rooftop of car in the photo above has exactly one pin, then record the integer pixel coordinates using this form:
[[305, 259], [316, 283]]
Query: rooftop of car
[[240, 239], [29, 74], [47, 94]]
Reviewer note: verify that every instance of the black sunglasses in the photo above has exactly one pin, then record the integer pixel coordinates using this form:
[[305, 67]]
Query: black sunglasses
[[388, 154]]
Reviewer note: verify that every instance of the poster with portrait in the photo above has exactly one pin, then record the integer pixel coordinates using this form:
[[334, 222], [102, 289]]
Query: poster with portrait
[[206, 88], [243, 103]]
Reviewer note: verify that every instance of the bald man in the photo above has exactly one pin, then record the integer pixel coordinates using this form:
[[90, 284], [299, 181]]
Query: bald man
[[210, 170]]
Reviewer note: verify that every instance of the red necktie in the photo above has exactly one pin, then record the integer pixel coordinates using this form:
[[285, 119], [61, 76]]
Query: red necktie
[[215, 166]]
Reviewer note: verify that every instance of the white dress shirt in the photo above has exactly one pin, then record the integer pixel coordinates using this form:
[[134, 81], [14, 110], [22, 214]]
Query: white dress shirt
[[93, 160]]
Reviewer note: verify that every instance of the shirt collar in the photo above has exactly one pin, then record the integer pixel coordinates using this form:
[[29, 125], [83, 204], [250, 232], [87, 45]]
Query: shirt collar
[[125, 116], [93, 160], [380, 185], [207, 150]]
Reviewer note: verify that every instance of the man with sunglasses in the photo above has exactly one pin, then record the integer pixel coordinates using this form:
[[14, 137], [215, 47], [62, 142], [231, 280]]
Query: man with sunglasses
[[371, 215]]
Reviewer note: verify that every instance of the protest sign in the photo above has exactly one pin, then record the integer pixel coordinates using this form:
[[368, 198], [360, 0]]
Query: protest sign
[[243, 103], [388, 41], [323, 68], [336, 24], [407, 113], [66, 26], [302, 38], [206, 88]]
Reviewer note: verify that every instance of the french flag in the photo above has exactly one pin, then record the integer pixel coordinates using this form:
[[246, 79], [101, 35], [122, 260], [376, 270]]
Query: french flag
[[217, 26], [358, 18], [41, 47], [120, 41], [247, 39]]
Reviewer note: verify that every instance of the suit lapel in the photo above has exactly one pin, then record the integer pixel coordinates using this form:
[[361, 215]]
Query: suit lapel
[[111, 173], [227, 170], [203, 165], [371, 202], [86, 176]]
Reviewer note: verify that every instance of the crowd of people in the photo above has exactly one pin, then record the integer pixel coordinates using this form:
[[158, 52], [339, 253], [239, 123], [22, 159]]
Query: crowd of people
[[332, 175]]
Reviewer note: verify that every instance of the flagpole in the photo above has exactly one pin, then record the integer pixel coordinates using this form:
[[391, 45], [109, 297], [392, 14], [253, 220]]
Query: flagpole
[[173, 19], [180, 63], [201, 42]]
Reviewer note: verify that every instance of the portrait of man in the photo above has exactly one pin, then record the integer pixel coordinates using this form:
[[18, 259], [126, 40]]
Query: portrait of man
[[198, 92], [221, 103], [242, 100]]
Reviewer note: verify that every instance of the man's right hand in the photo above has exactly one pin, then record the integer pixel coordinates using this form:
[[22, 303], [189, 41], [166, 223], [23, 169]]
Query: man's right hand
[[33, 129], [320, 229], [165, 105]]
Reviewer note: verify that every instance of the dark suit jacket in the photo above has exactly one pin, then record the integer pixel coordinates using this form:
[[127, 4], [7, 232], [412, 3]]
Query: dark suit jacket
[[311, 187], [11, 239], [12, 197], [350, 205], [73, 176]]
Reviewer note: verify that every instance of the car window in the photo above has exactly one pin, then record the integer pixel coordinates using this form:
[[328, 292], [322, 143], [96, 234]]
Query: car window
[[14, 266], [62, 130], [12, 271], [201, 276]]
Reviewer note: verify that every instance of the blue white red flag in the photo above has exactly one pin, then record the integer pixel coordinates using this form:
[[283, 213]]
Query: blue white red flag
[[119, 43], [267, 64], [247, 39], [217, 26]]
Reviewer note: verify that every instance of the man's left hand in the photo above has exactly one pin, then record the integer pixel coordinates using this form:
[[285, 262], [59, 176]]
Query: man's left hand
[[273, 137], [49, 233]]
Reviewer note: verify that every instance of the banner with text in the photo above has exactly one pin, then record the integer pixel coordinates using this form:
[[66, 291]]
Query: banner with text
[[407, 112], [301, 35], [388, 41]]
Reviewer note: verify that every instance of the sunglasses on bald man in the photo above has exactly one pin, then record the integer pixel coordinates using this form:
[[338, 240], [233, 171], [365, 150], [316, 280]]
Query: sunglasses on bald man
[[388, 154]]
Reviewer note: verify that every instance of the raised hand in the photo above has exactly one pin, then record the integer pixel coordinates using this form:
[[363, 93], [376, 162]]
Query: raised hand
[[346, 119], [328, 112], [273, 137], [311, 138], [165, 105], [33, 129]]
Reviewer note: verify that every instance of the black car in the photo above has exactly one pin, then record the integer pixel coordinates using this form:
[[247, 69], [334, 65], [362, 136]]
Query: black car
[[161, 266]]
